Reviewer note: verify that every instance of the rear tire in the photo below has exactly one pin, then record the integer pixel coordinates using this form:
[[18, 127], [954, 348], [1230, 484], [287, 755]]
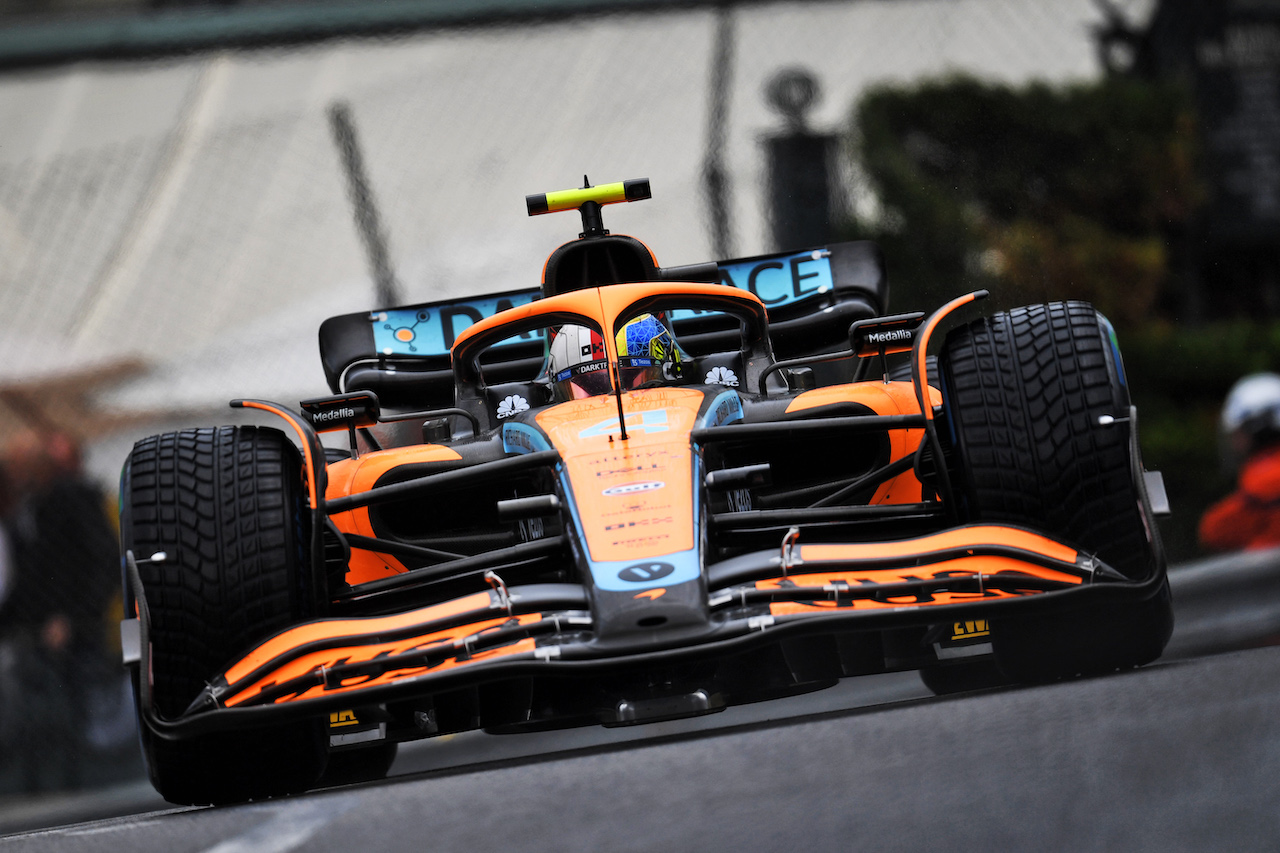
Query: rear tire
[[225, 506], [1023, 393]]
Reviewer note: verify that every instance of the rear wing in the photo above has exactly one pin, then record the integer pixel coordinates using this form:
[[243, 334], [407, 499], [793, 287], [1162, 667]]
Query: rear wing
[[402, 354]]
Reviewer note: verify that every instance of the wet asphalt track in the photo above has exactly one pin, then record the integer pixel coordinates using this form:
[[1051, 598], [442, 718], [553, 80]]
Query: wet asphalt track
[[1181, 755]]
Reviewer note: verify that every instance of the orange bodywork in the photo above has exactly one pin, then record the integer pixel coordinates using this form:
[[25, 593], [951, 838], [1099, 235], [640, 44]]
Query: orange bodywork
[[330, 628], [634, 498], [883, 398], [356, 653], [911, 551], [353, 476], [965, 537], [971, 567]]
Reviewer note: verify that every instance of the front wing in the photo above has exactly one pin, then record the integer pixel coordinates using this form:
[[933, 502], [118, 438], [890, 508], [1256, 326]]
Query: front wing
[[959, 575]]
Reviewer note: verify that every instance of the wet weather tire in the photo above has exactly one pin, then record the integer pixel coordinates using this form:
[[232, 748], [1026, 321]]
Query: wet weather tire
[[225, 507], [1023, 392], [1027, 395]]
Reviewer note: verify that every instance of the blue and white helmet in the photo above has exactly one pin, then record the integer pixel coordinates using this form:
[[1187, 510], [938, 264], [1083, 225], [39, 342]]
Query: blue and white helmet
[[648, 354]]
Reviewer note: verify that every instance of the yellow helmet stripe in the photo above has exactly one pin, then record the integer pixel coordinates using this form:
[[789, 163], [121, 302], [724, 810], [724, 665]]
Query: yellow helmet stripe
[[551, 202]]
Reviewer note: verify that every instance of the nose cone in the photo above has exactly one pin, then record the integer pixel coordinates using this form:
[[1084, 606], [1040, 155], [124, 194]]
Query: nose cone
[[647, 615]]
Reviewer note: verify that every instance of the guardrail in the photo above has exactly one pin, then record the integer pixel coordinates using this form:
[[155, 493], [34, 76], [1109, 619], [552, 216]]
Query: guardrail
[[1227, 602]]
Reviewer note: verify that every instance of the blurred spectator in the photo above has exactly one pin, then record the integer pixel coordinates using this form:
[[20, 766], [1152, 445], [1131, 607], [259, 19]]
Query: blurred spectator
[[8, 652], [64, 572], [6, 552], [1249, 517]]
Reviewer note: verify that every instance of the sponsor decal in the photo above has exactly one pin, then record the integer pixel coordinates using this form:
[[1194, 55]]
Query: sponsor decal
[[779, 280], [647, 503], [685, 567], [635, 462], [629, 469], [420, 331], [890, 337], [402, 332], [969, 630], [640, 522], [513, 405], [581, 369], [727, 408], [610, 458], [325, 416], [520, 438], [646, 572], [632, 488], [343, 718], [531, 529], [651, 594], [641, 541], [722, 376]]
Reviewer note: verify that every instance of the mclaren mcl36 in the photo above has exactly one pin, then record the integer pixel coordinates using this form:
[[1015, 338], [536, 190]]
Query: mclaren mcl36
[[634, 493]]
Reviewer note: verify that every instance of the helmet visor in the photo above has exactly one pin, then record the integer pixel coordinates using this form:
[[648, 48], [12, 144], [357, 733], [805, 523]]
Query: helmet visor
[[587, 379]]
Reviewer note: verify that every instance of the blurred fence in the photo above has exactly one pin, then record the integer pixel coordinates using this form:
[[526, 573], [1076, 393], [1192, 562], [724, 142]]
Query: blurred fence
[[192, 212], [173, 230]]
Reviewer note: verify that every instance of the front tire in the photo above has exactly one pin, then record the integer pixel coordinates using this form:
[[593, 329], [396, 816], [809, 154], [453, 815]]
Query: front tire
[[1027, 395], [225, 507]]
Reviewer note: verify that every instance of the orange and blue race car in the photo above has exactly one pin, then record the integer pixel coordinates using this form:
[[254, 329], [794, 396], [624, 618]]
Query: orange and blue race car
[[635, 493]]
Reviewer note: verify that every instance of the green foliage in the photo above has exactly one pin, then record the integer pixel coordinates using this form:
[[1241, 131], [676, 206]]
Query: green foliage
[[1075, 192], [1034, 193]]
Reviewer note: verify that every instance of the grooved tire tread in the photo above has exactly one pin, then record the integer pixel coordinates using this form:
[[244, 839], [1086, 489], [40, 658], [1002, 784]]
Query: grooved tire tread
[[1025, 390], [224, 505], [219, 504]]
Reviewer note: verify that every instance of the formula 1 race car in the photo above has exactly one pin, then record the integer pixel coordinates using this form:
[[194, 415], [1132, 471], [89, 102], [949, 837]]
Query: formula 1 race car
[[633, 494]]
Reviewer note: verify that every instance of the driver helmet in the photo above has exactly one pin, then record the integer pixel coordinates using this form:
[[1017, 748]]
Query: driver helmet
[[648, 354], [1250, 417], [577, 365]]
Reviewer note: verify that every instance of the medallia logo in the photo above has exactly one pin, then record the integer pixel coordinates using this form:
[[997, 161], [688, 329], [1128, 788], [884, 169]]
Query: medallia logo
[[327, 415], [632, 488], [890, 337]]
